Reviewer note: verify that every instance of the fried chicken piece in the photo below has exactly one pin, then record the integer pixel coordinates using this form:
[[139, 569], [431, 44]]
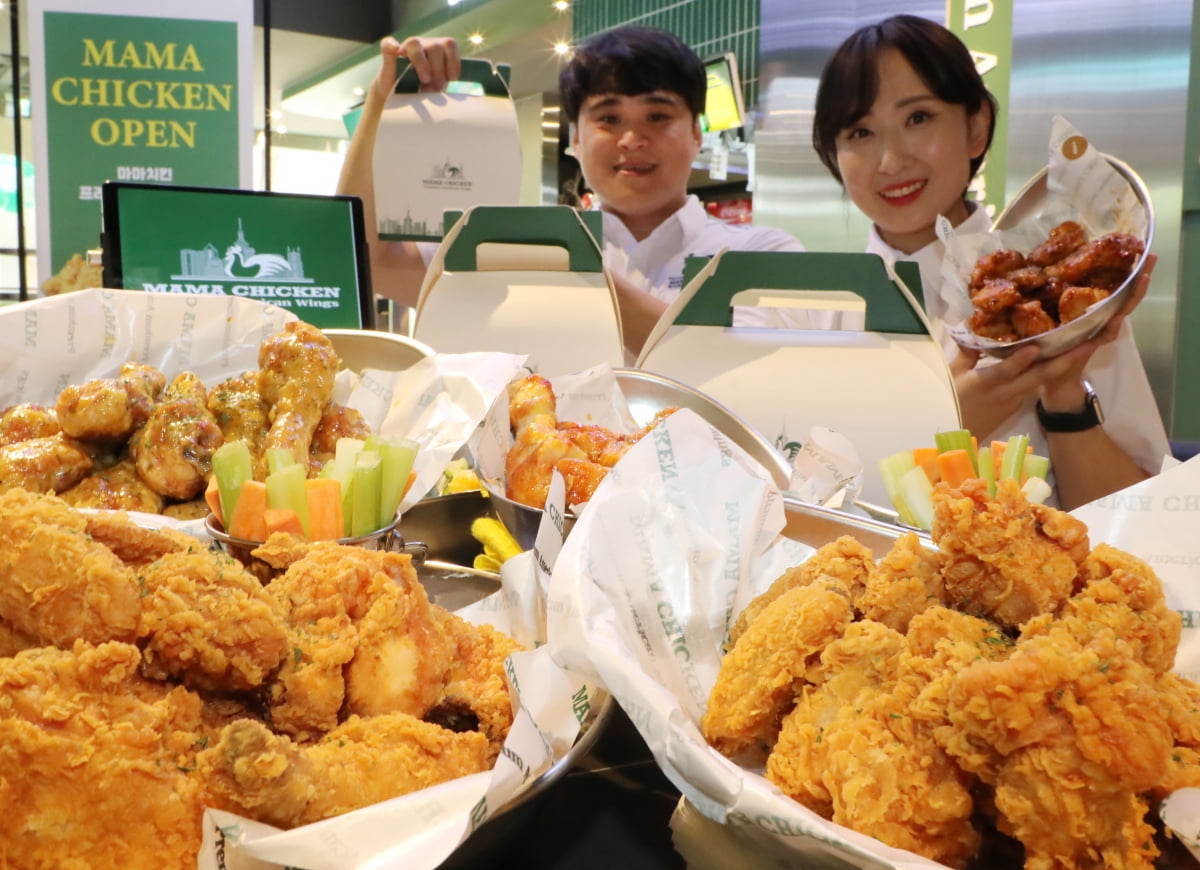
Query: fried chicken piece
[[1004, 558], [59, 584], [996, 295], [1075, 301], [1105, 261], [297, 368], [195, 509], [1030, 319], [1063, 239], [361, 635], [1179, 699], [173, 451], [109, 409], [996, 325], [601, 446], [97, 764], [117, 488], [208, 623], [1028, 279], [769, 664], [903, 583], [844, 559], [27, 420], [12, 640], [363, 761], [51, 464], [477, 684], [860, 663], [338, 421], [581, 477], [136, 545], [531, 399], [239, 410], [529, 465], [994, 265], [1068, 732]]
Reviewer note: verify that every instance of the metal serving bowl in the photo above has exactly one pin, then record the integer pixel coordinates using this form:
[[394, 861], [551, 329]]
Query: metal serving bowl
[[373, 349], [1026, 204], [647, 394]]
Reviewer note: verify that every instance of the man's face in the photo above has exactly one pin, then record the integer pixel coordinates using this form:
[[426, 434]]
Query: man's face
[[636, 152]]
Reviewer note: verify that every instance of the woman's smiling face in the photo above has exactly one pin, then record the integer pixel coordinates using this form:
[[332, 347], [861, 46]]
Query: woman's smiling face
[[908, 159]]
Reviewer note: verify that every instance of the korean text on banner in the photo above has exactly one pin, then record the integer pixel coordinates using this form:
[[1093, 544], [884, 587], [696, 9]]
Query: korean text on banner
[[143, 91]]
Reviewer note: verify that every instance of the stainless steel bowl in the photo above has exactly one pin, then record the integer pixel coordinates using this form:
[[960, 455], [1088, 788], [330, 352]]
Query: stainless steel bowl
[[372, 349], [647, 394], [1027, 203]]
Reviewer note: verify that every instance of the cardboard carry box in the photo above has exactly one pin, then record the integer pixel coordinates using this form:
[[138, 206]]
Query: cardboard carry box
[[524, 280], [884, 386], [440, 151]]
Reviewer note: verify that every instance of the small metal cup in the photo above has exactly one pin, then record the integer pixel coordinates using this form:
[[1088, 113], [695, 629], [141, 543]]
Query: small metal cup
[[387, 538]]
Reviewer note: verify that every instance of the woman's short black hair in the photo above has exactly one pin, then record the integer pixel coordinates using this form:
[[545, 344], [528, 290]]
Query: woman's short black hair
[[850, 80], [632, 60]]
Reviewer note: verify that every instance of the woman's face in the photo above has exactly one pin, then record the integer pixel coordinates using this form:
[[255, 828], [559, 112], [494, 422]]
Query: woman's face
[[908, 160]]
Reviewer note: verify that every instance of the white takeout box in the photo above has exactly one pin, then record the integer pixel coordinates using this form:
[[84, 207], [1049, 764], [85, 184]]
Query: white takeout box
[[448, 150], [884, 386], [526, 280]]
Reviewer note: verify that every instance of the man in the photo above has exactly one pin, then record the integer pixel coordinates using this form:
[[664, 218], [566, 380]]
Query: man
[[633, 97]]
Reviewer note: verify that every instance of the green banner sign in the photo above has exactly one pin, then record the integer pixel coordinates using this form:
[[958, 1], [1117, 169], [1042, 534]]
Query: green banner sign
[[148, 97], [985, 27]]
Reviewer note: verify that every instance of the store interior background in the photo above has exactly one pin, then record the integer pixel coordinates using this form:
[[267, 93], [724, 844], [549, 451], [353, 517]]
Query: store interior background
[[1120, 70]]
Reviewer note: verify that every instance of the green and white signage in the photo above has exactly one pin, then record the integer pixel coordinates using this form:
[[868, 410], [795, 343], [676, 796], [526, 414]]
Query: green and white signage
[[145, 90], [986, 29]]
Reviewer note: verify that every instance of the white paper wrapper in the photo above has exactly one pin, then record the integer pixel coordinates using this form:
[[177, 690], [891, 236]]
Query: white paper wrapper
[[1085, 188], [674, 543], [439, 402], [827, 469]]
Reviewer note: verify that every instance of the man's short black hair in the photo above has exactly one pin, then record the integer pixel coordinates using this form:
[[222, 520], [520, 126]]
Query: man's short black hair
[[632, 60]]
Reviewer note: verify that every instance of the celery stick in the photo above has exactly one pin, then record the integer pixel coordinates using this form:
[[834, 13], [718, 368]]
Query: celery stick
[[341, 469], [397, 455], [892, 468], [957, 439], [285, 489], [916, 497], [349, 448], [233, 465], [1014, 458], [1036, 490], [368, 474], [279, 458], [987, 469], [1036, 465]]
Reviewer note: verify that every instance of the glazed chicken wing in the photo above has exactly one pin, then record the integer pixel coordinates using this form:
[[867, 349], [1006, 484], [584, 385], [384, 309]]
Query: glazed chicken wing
[[117, 488], [239, 409], [338, 421], [27, 420], [173, 451], [297, 367], [1075, 301], [110, 409], [1063, 239], [51, 464]]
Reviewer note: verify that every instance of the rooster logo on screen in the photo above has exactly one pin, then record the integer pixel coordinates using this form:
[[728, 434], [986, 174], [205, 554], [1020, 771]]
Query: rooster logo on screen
[[241, 261]]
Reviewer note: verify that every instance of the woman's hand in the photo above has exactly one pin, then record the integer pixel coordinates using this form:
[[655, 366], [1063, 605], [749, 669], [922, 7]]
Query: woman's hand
[[435, 59]]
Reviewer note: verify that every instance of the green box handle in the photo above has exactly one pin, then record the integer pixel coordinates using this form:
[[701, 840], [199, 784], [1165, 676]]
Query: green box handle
[[888, 310], [556, 225], [494, 78]]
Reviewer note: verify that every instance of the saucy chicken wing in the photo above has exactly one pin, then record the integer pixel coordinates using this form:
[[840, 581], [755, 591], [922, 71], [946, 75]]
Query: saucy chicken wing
[[173, 451], [297, 367], [51, 464]]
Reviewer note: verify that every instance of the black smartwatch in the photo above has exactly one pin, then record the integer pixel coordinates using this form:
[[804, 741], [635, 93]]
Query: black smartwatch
[[1089, 417]]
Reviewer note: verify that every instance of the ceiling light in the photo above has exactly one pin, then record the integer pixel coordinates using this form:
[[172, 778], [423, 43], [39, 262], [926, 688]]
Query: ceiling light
[[562, 47], [561, 5], [359, 90], [475, 39]]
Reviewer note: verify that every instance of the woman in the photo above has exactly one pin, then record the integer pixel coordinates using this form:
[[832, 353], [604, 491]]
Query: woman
[[903, 120]]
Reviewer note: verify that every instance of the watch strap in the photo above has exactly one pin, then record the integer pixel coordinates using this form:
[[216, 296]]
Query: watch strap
[[1072, 421]]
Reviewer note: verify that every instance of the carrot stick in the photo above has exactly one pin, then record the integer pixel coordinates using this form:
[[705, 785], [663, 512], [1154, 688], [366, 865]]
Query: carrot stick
[[926, 457], [212, 497], [282, 520], [247, 519], [412, 476], [325, 518], [955, 466]]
